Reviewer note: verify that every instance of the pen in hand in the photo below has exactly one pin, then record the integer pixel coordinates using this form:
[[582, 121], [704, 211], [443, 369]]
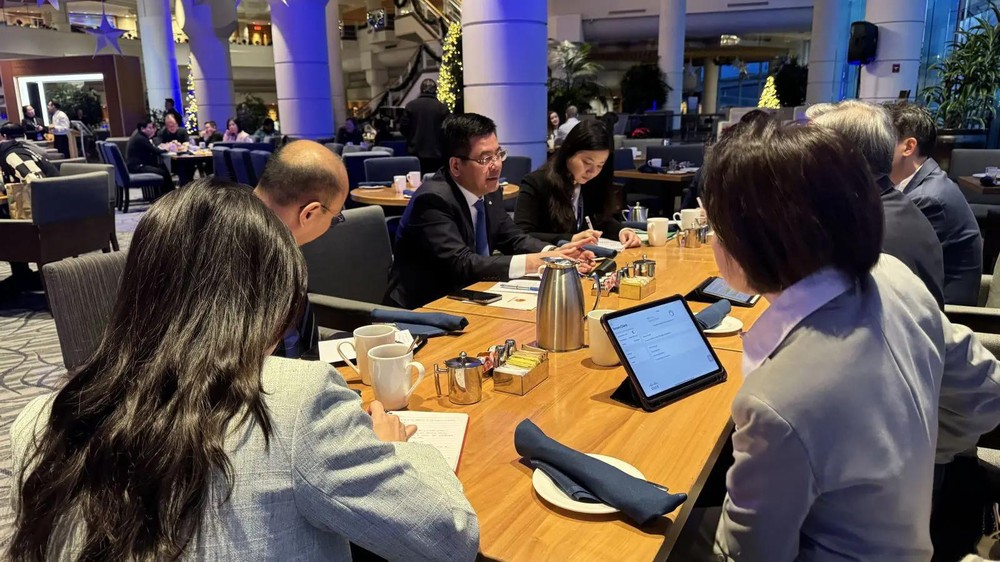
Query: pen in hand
[[590, 224]]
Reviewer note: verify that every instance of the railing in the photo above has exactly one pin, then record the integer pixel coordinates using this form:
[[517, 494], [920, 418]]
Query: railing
[[432, 17], [422, 60]]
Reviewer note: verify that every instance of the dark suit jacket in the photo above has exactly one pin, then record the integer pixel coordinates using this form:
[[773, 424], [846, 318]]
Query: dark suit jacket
[[533, 216], [940, 200], [140, 151], [911, 239], [421, 124], [435, 250], [164, 136]]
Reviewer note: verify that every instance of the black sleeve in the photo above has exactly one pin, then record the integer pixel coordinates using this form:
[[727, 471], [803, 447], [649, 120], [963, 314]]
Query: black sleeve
[[610, 227], [531, 215]]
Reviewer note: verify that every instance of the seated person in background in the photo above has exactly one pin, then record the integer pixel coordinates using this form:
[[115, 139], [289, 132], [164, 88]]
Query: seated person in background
[[837, 418], [552, 124], [234, 133], [171, 132], [350, 133], [908, 235], [556, 201], [143, 157], [920, 178], [382, 132], [32, 124], [571, 121], [210, 133], [266, 131], [305, 185], [240, 456], [456, 220]]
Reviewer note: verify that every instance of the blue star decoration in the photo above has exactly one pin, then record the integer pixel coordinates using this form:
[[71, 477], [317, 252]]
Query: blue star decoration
[[55, 3], [107, 35]]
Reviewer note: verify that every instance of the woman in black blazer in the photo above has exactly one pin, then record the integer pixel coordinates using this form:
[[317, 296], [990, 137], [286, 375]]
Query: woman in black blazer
[[555, 201]]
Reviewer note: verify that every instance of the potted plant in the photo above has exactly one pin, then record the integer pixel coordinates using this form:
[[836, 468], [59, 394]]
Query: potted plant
[[573, 77], [644, 88], [964, 100]]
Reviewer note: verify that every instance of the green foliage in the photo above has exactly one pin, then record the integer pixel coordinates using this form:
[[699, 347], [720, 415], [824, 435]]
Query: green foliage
[[643, 86], [790, 82], [965, 95], [73, 96], [451, 83], [250, 114], [573, 77]]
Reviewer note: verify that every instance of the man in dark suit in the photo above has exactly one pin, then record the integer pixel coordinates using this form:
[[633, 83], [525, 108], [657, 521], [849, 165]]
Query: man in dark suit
[[908, 236], [456, 220], [143, 157], [421, 124], [940, 200]]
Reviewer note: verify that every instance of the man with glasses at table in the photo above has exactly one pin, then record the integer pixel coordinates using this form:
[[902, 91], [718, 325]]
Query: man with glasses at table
[[306, 186], [456, 220]]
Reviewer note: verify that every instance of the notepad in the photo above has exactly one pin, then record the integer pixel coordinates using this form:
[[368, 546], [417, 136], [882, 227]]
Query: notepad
[[445, 431], [329, 353], [611, 244]]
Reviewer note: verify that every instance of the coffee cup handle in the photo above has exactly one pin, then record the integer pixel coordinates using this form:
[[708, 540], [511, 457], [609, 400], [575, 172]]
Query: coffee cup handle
[[625, 214], [420, 376], [677, 217], [344, 357]]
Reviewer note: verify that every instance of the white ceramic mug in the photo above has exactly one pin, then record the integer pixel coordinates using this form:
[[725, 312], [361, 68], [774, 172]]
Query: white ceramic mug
[[658, 228], [688, 218], [635, 152], [414, 178], [391, 365], [399, 184], [366, 338], [656, 162], [601, 351]]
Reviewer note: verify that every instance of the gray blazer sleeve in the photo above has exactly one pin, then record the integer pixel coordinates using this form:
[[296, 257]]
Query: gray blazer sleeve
[[757, 524], [970, 393], [401, 501]]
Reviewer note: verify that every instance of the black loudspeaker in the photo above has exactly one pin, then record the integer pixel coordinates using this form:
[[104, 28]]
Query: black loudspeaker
[[864, 43]]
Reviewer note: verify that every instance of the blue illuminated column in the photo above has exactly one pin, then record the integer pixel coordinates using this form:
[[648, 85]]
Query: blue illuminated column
[[338, 96], [900, 38], [670, 48], [159, 62], [831, 30], [301, 68], [208, 25], [504, 53]]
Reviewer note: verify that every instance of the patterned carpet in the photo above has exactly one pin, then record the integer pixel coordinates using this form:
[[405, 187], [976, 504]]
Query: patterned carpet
[[31, 363]]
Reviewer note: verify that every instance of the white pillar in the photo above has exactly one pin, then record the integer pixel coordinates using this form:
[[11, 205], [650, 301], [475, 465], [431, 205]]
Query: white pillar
[[208, 25], [710, 87], [338, 97], [508, 88], [670, 48], [159, 62], [301, 68], [900, 38], [831, 29]]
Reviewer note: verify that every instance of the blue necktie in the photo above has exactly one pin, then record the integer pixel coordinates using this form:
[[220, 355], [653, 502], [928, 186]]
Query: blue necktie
[[482, 242], [579, 212]]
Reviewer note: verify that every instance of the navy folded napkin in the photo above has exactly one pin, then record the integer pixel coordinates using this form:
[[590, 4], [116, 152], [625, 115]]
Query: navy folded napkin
[[713, 314], [440, 320], [374, 184], [420, 329], [583, 477], [634, 225], [597, 250], [647, 169], [409, 192]]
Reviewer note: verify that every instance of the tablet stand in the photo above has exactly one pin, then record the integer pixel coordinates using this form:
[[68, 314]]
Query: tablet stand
[[696, 296], [626, 394]]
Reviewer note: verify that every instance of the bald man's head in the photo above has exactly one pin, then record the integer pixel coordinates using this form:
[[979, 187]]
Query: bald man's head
[[301, 172]]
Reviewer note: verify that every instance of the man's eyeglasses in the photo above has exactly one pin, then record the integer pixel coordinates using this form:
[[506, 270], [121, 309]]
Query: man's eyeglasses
[[339, 218], [488, 159]]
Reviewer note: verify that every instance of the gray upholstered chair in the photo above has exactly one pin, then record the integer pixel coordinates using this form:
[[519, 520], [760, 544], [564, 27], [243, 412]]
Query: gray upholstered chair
[[386, 149], [351, 148], [968, 161], [335, 147], [67, 168], [70, 216], [383, 170], [81, 294], [514, 170], [985, 316]]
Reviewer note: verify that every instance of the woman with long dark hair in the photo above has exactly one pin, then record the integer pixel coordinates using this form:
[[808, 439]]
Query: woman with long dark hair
[[234, 133], [181, 438], [556, 201], [552, 122]]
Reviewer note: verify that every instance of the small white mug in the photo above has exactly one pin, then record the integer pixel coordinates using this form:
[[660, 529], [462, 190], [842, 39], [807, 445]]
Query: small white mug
[[414, 178], [656, 162], [391, 365], [658, 228], [399, 184], [601, 351], [366, 338], [688, 218], [635, 152]]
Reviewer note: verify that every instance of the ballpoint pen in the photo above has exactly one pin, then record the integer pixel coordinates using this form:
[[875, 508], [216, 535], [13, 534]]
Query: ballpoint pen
[[590, 224]]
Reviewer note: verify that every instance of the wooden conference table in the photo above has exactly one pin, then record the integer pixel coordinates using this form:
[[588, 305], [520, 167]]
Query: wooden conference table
[[387, 196], [675, 446], [972, 184], [668, 178]]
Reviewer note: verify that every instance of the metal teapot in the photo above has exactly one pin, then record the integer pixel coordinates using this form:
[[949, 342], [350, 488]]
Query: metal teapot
[[465, 379], [637, 213]]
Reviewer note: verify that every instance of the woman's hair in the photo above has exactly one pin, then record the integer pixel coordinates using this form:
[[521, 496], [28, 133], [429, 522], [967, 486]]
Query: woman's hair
[[598, 193], [548, 121], [786, 201], [137, 437], [234, 122]]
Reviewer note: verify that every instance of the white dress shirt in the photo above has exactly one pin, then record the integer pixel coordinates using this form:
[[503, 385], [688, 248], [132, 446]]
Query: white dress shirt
[[901, 186], [518, 264], [564, 129], [60, 123]]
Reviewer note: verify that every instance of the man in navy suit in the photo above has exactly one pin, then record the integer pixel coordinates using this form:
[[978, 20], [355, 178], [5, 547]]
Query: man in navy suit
[[921, 179], [450, 230]]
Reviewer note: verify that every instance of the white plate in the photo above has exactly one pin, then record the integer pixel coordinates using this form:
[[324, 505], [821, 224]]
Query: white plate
[[979, 175], [373, 186], [727, 327], [551, 493]]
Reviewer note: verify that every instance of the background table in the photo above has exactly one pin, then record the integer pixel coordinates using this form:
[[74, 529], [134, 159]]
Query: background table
[[669, 178], [387, 196], [676, 447], [972, 184]]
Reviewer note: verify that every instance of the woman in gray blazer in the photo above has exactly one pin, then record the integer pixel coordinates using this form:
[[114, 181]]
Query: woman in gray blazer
[[837, 418], [182, 439]]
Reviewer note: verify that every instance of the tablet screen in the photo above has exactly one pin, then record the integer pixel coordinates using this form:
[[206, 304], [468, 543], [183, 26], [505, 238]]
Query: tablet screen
[[663, 347], [719, 288]]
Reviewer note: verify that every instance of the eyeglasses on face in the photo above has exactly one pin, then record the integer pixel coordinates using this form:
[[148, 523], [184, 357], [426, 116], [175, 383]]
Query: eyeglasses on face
[[488, 159], [339, 218]]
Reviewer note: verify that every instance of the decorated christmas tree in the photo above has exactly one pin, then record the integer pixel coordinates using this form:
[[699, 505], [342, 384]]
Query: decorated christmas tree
[[191, 103], [450, 81], [769, 97]]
